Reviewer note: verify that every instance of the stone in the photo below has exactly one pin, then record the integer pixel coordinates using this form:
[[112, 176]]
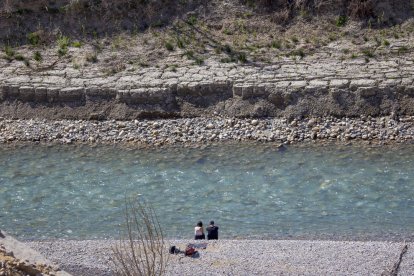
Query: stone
[[311, 122], [40, 94], [362, 83], [72, 94], [277, 99], [26, 93], [53, 94], [366, 92], [12, 92], [237, 90], [3, 92], [98, 93], [339, 83]]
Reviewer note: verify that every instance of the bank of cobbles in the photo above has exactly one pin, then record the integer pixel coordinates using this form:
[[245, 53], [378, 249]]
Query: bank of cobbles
[[194, 131]]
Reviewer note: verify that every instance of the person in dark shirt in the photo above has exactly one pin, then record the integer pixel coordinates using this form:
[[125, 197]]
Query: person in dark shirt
[[212, 231]]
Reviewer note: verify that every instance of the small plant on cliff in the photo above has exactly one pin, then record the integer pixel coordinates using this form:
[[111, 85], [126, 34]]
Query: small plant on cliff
[[242, 57], [63, 43], [37, 56], [168, 45], [92, 57], [19, 57], [192, 20], [180, 43], [276, 44], [34, 38], [297, 53], [77, 44], [402, 50], [141, 248], [9, 53], [198, 60], [341, 21], [368, 53]]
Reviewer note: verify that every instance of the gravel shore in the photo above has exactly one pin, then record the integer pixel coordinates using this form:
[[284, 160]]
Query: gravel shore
[[246, 257], [377, 130]]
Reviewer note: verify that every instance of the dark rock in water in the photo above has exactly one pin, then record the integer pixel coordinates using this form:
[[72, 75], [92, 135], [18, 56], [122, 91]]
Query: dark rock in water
[[282, 148], [201, 160]]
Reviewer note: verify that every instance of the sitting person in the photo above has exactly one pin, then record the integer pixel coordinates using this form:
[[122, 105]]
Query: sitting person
[[212, 231], [199, 231]]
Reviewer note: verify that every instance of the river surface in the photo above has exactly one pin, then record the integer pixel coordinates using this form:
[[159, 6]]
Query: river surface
[[250, 190]]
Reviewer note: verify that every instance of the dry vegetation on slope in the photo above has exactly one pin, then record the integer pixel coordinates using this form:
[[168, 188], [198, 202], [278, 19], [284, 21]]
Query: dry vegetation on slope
[[115, 35], [91, 18]]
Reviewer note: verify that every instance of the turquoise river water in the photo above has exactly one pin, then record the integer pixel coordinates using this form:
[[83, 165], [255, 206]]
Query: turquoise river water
[[250, 190]]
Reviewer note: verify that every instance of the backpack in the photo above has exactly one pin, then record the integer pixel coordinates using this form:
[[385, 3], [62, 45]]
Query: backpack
[[190, 251], [174, 250]]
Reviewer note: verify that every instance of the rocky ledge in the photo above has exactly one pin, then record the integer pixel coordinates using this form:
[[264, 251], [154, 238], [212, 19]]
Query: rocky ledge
[[377, 130], [17, 259], [314, 86]]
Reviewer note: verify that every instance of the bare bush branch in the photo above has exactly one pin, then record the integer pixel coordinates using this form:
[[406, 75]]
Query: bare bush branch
[[141, 247]]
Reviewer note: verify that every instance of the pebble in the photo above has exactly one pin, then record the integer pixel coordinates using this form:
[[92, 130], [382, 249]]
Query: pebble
[[205, 130]]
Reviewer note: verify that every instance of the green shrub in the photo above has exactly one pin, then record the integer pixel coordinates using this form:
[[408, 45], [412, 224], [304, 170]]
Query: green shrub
[[180, 43], [34, 39], [300, 53], [227, 60], [198, 60], [227, 49], [368, 53], [92, 57], [62, 52], [386, 43], [9, 51], [77, 44], [168, 45], [189, 54], [192, 20], [276, 44], [341, 21], [37, 56], [63, 41], [173, 67], [227, 31], [19, 57], [402, 50], [241, 57]]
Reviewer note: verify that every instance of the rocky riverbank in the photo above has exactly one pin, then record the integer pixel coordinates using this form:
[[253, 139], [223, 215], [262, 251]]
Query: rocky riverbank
[[248, 257], [194, 131]]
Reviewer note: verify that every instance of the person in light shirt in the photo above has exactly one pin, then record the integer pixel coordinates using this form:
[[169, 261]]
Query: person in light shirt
[[199, 231]]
